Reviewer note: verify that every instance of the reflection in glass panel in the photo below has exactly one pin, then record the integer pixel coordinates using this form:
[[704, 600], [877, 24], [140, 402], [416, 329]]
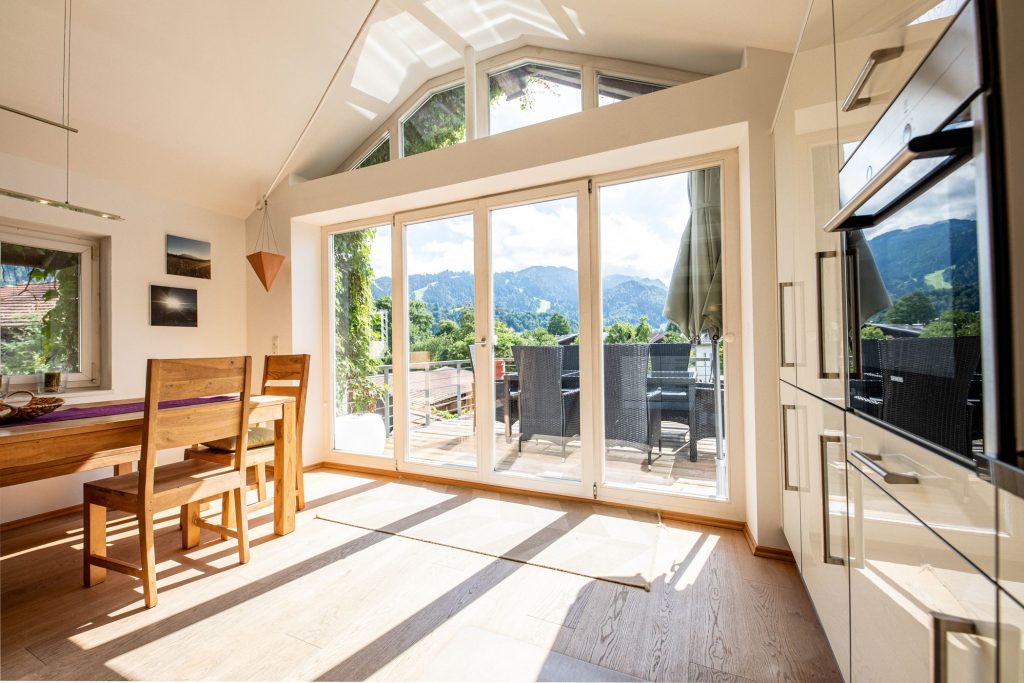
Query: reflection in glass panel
[[363, 406], [39, 307], [919, 316], [532, 93], [442, 420], [663, 381], [439, 122], [536, 340], [611, 89], [378, 155]]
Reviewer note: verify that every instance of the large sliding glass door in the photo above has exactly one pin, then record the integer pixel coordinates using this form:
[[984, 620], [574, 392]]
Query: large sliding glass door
[[564, 339]]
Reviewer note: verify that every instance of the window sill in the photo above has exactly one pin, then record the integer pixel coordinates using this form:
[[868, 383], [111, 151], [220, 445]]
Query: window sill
[[72, 395]]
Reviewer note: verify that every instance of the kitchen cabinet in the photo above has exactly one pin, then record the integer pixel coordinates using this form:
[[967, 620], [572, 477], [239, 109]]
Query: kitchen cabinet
[[820, 441], [790, 469], [918, 610], [1011, 644], [1010, 527], [810, 261]]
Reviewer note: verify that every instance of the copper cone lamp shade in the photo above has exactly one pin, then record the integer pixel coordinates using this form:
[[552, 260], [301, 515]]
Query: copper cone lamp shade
[[267, 265]]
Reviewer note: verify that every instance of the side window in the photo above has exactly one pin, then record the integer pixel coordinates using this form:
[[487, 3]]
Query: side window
[[378, 155], [532, 93], [439, 122], [611, 89], [48, 308]]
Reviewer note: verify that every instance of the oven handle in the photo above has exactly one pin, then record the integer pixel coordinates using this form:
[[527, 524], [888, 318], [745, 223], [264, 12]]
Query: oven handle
[[954, 143], [885, 54]]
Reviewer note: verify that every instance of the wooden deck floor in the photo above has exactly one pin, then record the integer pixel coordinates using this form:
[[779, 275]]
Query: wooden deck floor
[[332, 602]]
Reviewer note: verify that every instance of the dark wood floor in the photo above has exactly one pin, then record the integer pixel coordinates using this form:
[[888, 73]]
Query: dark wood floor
[[332, 602]]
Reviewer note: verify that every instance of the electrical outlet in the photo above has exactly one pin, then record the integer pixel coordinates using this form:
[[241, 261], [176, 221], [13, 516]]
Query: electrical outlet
[[275, 344]]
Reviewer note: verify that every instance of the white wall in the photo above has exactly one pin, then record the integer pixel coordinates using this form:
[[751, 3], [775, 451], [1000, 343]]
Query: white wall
[[137, 247], [729, 111]]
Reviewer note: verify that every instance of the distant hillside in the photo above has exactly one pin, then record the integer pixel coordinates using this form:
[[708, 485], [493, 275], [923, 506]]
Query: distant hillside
[[940, 259], [526, 298]]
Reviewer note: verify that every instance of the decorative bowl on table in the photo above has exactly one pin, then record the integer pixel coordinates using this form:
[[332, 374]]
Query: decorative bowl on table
[[35, 406]]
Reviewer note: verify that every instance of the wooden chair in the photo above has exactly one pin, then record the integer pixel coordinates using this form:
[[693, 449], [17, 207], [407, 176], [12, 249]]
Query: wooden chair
[[182, 484], [294, 370]]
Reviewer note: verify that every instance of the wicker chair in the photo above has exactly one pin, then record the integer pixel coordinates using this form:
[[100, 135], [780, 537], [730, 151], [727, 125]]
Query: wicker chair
[[500, 398], [669, 366], [670, 358], [925, 387], [702, 415], [546, 411], [632, 416]]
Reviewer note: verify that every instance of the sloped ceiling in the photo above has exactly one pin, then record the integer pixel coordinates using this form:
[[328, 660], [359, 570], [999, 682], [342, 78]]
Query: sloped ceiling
[[202, 101]]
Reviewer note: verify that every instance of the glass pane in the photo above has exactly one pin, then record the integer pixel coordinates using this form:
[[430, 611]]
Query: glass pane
[[536, 319], [438, 122], [363, 405], [379, 154], [663, 384], [532, 93], [611, 89], [919, 315], [442, 422], [39, 309]]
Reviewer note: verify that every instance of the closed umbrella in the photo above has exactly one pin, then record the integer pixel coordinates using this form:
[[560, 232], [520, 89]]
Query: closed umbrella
[[694, 299]]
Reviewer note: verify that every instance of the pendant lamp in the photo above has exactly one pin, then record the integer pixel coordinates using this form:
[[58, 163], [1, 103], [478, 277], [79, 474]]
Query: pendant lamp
[[267, 264]]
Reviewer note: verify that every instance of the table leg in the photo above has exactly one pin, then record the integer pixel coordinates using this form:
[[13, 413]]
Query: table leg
[[123, 468], [284, 471]]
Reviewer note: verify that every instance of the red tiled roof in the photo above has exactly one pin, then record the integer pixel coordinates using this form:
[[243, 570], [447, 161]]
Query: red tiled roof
[[19, 304]]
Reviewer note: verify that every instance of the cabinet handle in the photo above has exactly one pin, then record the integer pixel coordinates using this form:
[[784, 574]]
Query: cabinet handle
[[818, 258], [785, 449], [782, 326], [942, 626], [823, 441], [853, 312], [853, 99], [870, 460]]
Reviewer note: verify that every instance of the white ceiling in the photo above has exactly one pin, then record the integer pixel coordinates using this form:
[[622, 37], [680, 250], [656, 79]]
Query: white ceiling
[[202, 101]]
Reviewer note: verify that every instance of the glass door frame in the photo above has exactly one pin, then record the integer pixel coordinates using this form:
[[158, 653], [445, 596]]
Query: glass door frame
[[733, 506], [592, 481]]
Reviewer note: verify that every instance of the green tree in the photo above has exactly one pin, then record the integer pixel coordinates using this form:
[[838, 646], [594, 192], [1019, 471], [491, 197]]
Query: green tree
[[421, 321], [643, 331], [954, 324], [439, 122], [355, 366], [871, 332], [673, 335], [619, 333], [913, 308], [558, 325]]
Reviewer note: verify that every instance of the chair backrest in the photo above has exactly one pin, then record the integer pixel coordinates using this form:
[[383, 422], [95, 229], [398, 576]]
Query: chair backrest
[[289, 376], [191, 380], [673, 357], [625, 386], [925, 385], [540, 381], [571, 358]]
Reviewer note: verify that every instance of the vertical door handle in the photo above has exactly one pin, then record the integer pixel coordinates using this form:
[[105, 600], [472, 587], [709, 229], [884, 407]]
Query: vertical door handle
[[853, 312], [785, 449], [942, 626], [823, 441], [782, 326], [818, 258]]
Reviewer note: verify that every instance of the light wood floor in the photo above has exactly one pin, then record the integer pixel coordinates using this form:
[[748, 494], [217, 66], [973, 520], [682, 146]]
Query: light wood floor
[[332, 602]]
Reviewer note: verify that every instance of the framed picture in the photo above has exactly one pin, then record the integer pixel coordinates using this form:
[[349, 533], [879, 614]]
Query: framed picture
[[173, 307], [188, 257]]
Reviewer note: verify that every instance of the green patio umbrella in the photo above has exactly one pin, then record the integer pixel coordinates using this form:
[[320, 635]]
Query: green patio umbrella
[[694, 299]]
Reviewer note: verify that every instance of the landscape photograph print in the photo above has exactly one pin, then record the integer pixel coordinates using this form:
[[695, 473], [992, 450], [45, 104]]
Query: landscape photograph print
[[173, 307], [188, 257]]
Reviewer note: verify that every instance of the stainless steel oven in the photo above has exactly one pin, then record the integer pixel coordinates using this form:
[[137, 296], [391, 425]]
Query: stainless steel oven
[[925, 272]]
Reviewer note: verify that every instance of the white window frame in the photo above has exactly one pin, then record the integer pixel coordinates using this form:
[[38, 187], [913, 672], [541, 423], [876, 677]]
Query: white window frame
[[90, 370], [429, 90], [377, 142], [483, 86]]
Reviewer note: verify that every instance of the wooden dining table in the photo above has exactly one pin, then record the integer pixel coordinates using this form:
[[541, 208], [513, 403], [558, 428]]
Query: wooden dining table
[[30, 452]]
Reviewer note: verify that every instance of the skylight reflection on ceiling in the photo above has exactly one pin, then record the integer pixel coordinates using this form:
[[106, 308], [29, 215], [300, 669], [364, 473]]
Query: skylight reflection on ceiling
[[392, 48], [485, 24]]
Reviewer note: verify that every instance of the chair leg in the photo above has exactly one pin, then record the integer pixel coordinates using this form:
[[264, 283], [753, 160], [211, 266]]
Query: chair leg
[[227, 513], [243, 525], [300, 487], [261, 481], [148, 554], [95, 525], [189, 531]]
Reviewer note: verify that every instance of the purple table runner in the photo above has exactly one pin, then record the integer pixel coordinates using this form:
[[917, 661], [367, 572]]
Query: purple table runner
[[106, 410]]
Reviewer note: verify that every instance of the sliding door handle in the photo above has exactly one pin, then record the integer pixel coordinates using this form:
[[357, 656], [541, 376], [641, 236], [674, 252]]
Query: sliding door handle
[[782, 326], [871, 461], [785, 449], [818, 258]]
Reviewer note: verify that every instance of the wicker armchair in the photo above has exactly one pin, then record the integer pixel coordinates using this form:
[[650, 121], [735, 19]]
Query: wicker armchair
[[925, 387], [632, 414], [500, 399], [670, 358], [702, 415], [546, 410]]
